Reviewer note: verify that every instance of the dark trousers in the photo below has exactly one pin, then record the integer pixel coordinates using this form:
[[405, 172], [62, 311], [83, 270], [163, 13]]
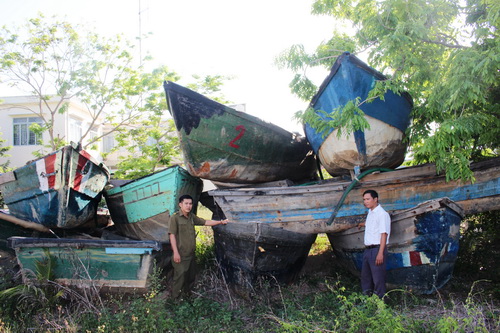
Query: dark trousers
[[373, 276], [184, 276]]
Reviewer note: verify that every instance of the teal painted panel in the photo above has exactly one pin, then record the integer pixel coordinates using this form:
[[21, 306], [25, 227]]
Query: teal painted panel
[[149, 206], [86, 263], [152, 195], [125, 250]]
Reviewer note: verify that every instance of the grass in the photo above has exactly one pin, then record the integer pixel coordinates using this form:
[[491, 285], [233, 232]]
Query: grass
[[325, 298]]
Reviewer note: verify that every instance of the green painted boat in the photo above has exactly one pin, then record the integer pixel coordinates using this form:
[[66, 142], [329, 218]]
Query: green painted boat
[[225, 145], [83, 263], [141, 208]]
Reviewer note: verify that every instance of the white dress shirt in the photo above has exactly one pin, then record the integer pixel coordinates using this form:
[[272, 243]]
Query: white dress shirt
[[378, 222]]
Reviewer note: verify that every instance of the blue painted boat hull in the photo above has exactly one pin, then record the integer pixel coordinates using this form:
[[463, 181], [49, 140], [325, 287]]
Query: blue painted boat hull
[[308, 208], [381, 145], [60, 190], [422, 249], [140, 209]]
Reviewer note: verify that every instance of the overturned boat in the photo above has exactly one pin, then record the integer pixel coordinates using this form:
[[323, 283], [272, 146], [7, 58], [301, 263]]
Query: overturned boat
[[249, 251], [229, 146], [336, 204], [382, 144]]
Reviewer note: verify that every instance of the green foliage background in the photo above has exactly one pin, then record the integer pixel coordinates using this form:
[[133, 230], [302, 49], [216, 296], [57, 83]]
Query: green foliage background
[[446, 54]]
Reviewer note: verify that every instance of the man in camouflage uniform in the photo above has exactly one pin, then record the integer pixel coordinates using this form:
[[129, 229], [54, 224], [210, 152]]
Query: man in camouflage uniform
[[183, 241]]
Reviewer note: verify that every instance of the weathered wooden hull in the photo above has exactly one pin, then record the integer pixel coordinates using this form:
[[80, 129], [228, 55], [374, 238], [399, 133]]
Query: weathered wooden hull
[[379, 146], [113, 264], [225, 145], [141, 209], [60, 190], [247, 251], [422, 248], [308, 208]]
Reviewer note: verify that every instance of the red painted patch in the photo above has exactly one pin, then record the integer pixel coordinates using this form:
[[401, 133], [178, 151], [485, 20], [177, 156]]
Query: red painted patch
[[82, 160], [50, 169], [415, 259], [233, 173], [205, 168], [241, 129], [445, 249], [85, 154]]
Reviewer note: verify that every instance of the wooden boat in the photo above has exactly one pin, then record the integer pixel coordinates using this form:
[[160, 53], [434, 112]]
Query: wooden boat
[[113, 264], [379, 146], [141, 208], [422, 248], [309, 208], [60, 190], [247, 251], [225, 145]]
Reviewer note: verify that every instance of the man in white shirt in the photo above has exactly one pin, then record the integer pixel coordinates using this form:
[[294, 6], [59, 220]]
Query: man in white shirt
[[377, 232]]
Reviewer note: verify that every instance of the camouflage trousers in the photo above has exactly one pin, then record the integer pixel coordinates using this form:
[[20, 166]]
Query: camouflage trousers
[[184, 276]]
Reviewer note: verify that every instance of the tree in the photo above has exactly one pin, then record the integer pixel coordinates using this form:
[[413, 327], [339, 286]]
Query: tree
[[210, 86], [153, 145], [4, 167], [446, 54], [153, 142], [58, 60]]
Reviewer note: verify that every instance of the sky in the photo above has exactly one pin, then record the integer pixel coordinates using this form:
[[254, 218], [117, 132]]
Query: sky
[[235, 38]]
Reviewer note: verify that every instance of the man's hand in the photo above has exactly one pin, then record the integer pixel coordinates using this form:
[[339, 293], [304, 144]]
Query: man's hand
[[177, 258]]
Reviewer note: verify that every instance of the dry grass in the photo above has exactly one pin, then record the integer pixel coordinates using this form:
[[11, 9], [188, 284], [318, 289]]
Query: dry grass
[[316, 293]]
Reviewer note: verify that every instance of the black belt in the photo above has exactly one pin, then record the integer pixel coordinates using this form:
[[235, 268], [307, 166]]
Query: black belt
[[372, 246]]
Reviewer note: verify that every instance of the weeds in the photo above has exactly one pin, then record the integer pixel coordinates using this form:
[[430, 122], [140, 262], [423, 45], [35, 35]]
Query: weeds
[[324, 299], [321, 245], [473, 315], [205, 253]]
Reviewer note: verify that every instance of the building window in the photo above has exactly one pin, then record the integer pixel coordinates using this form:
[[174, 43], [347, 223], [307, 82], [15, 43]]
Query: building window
[[108, 143], [94, 133], [23, 136], [75, 130]]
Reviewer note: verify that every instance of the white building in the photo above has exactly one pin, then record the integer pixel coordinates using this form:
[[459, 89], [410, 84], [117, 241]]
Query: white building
[[16, 116]]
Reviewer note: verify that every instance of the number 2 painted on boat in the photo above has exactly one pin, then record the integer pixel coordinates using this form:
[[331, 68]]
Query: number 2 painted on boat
[[241, 129]]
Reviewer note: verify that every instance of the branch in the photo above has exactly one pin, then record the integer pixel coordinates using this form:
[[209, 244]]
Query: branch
[[438, 42]]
